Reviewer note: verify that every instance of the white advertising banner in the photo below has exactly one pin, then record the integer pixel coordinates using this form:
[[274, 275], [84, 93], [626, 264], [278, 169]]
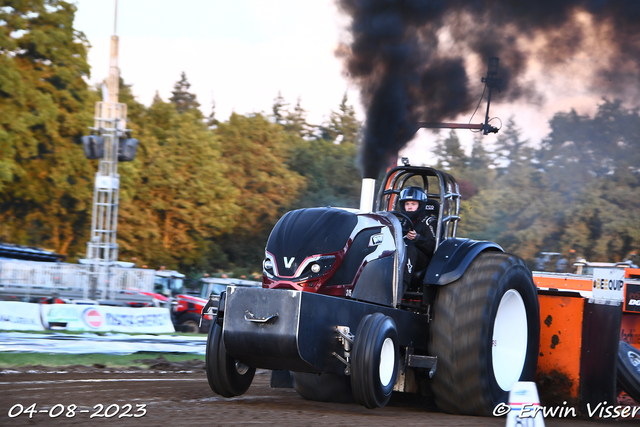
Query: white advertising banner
[[102, 318], [20, 316], [608, 284]]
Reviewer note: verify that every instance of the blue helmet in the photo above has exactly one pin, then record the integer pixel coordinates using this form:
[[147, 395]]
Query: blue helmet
[[413, 193]]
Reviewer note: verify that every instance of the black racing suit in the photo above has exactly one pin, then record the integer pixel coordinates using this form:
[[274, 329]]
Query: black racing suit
[[420, 250]]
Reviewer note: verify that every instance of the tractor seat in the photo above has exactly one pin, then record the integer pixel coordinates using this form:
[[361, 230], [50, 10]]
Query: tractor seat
[[432, 207]]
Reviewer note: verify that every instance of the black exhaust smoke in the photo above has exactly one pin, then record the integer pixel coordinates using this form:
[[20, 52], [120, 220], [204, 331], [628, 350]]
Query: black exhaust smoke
[[409, 57]]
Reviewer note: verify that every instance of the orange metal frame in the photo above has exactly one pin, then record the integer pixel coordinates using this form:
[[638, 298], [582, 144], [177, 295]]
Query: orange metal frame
[[561, 337]]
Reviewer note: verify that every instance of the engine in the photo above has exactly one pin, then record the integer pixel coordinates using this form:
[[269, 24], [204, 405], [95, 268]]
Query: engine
[[336, 252]]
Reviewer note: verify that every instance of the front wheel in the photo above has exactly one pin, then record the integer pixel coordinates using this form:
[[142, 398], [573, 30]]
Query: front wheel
[[323, 387], [486, 334], [189, 322], [227, 376], [374, 360]]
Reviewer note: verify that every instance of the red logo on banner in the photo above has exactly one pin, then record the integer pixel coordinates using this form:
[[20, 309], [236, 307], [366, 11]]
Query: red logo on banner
[[92, 318]]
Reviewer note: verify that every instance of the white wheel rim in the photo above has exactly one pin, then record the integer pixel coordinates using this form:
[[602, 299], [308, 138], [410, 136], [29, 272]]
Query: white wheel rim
[[241, 368], [387, 361], [510, 337]]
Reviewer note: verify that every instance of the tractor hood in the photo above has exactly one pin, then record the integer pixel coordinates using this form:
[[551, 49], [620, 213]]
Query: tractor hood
[[304, 233]]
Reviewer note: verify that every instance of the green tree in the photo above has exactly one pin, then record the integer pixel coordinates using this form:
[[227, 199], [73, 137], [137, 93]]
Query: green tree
[[476, 175], [602, 222], [342, 123], [580, 191], [511, 151], [45, 106], [450, 152], [580, 149], [296, 122], [480, 158], [256, 152], [176, 197], [211, 119], [333, 179], [278, 109], [519, 213], [182, 98]]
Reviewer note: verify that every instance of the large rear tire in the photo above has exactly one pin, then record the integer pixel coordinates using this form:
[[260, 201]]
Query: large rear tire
[[629, 370], [486, 334], [323, 387], [374, 360], [227, 376]]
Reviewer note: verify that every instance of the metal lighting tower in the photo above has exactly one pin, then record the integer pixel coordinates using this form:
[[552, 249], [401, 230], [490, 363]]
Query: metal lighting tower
[[109, 128]]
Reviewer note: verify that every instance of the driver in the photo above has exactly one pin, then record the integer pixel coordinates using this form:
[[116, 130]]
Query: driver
[[421, 240]]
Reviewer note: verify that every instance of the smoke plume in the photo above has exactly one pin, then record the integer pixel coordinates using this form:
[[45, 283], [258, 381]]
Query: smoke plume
[[411, 59]]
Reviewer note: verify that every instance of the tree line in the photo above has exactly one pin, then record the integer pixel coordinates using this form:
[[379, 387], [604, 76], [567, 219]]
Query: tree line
[[577, 193], [202, 194]]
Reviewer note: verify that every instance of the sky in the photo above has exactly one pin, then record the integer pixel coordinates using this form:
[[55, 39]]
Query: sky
[[242, 53], [238, 53]]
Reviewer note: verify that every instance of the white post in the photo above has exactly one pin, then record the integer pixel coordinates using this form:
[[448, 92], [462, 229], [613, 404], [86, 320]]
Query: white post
[[367, 194]]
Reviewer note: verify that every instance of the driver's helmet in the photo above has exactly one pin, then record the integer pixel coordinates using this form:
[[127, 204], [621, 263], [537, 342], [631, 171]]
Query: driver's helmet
[[413, 193]]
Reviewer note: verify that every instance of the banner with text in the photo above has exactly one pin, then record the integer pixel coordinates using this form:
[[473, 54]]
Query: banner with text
[[102, 318], [20, 316]]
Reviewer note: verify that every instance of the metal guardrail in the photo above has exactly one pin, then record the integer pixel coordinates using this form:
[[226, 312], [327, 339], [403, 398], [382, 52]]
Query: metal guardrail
[[26, 279]]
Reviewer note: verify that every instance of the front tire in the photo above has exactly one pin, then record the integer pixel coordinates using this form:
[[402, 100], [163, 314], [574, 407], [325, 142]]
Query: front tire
[[374, 360], [189, 323], [486, 334], [227, 376]]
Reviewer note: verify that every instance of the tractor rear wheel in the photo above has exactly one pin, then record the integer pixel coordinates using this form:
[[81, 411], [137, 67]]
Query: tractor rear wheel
[[485, 333], [227, 376], [374, 360]]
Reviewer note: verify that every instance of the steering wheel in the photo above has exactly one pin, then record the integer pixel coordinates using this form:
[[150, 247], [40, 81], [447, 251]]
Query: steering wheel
[[405, 221]]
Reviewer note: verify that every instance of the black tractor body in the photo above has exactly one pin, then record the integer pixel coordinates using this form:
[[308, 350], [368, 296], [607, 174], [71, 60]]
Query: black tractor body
[[334, 313]]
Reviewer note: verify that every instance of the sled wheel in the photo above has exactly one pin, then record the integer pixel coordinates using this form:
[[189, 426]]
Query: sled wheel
[[374, 360], [190, 323], [629, 370], [227, 376], [323, 387], [485, 333]]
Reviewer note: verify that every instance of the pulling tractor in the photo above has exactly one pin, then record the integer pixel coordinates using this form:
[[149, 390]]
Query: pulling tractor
[[333, 312]]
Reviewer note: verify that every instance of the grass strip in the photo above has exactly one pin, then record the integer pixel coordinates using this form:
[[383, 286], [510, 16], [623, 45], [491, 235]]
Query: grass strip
[[8, 360]]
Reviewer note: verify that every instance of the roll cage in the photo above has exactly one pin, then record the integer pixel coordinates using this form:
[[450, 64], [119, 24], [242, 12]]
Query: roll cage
[[438, 185]]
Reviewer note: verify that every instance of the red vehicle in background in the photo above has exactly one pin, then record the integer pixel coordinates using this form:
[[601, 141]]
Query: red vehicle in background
[[169, 288], [186, 306]]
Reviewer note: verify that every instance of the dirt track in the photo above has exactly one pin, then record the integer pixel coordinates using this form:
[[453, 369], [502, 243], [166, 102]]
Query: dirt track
[[184, 397]]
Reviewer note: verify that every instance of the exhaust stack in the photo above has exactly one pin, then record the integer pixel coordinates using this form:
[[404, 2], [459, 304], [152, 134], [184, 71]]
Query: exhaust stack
[[367, 194]]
